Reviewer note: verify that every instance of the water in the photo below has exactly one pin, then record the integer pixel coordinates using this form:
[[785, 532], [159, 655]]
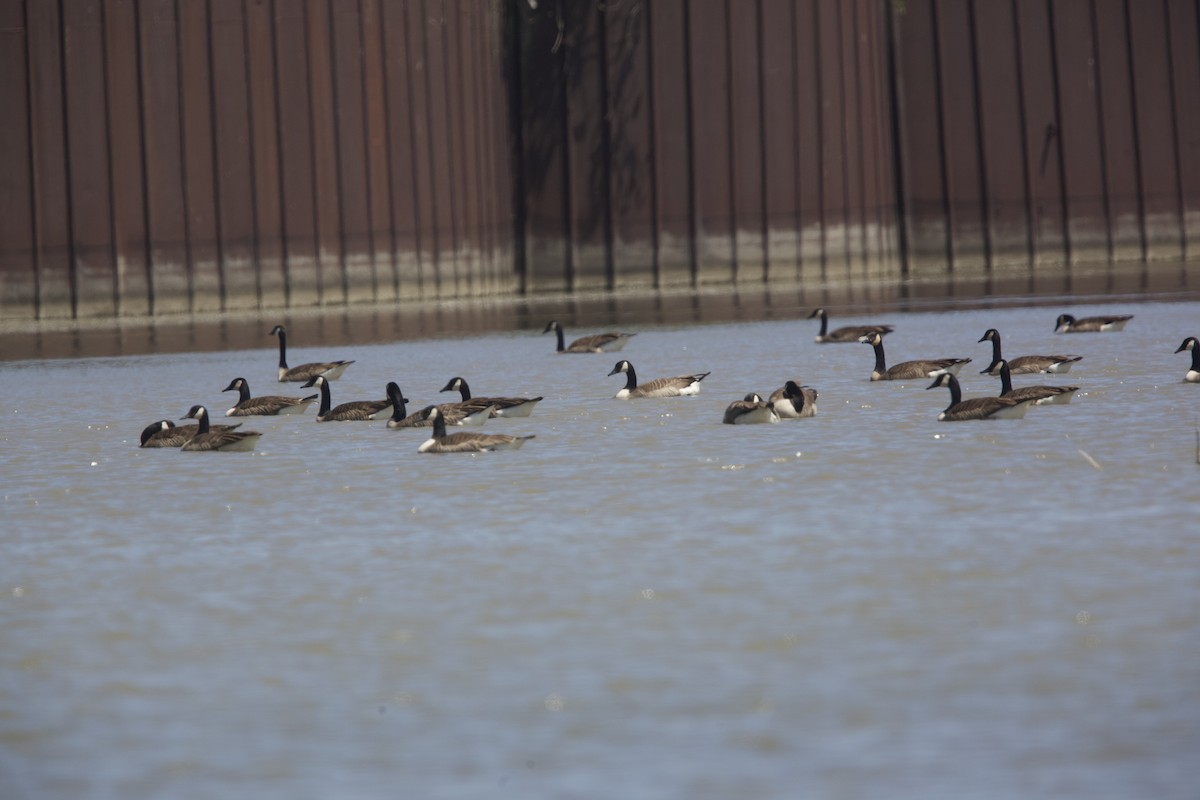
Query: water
[[640, 603]]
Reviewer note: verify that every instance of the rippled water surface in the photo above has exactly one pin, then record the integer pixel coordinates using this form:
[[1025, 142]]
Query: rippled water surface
[[640, 603]]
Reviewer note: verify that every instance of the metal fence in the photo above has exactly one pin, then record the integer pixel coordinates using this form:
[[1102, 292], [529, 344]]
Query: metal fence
[[161, 156]]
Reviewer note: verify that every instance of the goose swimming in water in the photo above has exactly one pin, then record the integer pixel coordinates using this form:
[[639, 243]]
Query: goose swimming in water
[[452, 413], [976, 407], [1068, 324], [354, 411], [328, 369], [908, 370], [504, 406], [465, 442], [209, 439], [609, 342], [165, 433], [265, 406], [1040, 395], [849, 333], [1024, 365], [793, 401], [750, 409], [1193, 374], [660, 387]]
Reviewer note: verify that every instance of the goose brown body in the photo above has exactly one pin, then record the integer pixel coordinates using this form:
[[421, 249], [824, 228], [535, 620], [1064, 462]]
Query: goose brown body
[[502, 406], [679, 386], [467, 441], [354, 411], [209, 438], [305, 372], [976, 408], [750, 409], [909, 370], [1040, 395], [266, 405], [609, 342], [1068, 324], [1025, 365], [845, 334]]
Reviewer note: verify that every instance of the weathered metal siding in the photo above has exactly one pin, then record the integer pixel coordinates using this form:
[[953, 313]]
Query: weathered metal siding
[[704, 141], [162, 156], [1037, 132]]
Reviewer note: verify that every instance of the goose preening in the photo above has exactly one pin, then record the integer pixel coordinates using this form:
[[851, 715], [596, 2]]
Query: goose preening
[[977, 407], [465, 442], [1068, 324], [660, 387], [354, 411], [265, 406], [793, 401], [849, 333], [1024, 365], [1193, 374], [749, 410], [208, 438], [165, 433], [504, 406], [328, 369], [908, 370], [452, 413], [1040, 395], [609, 342]]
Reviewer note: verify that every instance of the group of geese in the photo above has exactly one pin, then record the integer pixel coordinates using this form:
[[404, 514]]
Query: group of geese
[[790, 401]]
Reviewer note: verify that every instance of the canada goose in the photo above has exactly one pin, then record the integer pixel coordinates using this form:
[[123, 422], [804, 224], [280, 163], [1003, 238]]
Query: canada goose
[[976, 407], [1193, 374], [466, 442], [1024, 365], [850, 333], [354, 411], [450, 413], [750, 409], [609, 342], [909, 369], [1068, 324], [329, 369], [207, 438], [660, 387], [166, 433], [504, 406], [265, 406], [793, 401], [1040, 395]]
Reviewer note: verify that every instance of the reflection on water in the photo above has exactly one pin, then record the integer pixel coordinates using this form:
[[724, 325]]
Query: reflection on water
[[640, 603], [366, 324]]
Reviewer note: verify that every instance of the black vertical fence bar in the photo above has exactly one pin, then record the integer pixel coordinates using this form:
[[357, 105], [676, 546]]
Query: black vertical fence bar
[[18, 256]]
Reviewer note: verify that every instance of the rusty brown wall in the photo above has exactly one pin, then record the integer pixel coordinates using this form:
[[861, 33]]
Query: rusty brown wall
[[1037, 132], [162, 156]]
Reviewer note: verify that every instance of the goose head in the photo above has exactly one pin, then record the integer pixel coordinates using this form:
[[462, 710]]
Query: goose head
[[990, 335], [196, 412], [316, 380], [155, 427], [621, 366], [817, 312], [1064, 319], [872, 338], [1190, 343], [943, 379], [454, 385], [235, 385], [552, 325]]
